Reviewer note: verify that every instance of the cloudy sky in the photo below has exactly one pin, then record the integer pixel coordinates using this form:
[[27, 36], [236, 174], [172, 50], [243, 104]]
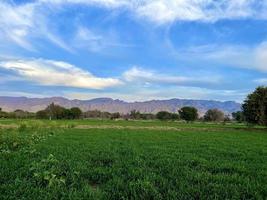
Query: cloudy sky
[[133, 50]]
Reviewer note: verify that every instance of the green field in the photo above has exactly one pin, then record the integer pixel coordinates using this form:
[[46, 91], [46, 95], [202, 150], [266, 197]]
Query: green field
[[95, 159]]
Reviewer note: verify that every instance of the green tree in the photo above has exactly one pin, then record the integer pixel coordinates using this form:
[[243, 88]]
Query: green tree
[[147, 116], [238, 116], [135, 114], [175, 116], [255, 107], [188, 113], [115, 115], [55, 111], [214, 115], [3, 114], [76, 112], [42, 114], [164, 115]]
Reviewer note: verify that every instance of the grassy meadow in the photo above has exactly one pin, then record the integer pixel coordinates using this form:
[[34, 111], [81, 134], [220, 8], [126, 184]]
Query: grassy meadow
[[104, 159]]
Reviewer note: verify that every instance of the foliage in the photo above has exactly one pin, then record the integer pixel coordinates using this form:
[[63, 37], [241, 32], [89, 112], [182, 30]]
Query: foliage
[[57, 112], [17, 114], [188, 113], [135, 114], [96, 114], [255, 107], [116, 115], [164, 115], [47, 172], [76, 113], [42, 114], [238, 116], [140, 116], [214, 115]]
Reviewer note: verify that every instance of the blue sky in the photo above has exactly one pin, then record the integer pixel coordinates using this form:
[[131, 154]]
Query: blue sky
[[133, 50]]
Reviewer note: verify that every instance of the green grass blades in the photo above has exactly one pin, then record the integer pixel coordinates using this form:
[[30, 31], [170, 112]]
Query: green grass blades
[[59, 160]]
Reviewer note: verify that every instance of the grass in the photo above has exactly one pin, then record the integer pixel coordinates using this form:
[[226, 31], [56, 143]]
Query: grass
[[210, 161]]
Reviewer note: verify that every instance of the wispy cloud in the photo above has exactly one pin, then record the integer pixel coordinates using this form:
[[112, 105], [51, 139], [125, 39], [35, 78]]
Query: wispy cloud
[[141, 75], [146, 94], [56, 73], [262, 81], [240, 56], [164, 11], [20, 24], [96, 41], [16, 23]]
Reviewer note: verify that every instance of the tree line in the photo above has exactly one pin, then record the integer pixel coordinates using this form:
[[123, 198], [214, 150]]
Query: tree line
[[254, 111], [54, 112]]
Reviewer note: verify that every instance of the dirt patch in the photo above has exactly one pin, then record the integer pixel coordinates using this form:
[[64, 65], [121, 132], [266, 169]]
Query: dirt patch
[[7, 126], [163, 128], [127, 127]]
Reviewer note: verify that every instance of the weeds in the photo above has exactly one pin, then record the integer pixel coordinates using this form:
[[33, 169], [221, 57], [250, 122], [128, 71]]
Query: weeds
[[47, 172]]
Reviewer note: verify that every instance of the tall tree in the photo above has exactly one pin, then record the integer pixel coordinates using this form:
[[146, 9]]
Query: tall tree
[[255, 107]]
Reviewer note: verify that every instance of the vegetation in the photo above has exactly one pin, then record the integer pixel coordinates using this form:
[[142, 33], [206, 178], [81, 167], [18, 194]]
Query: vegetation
[[214, 115], [164, 115], [145, 156], [188, 114], [57, 112], [144, 160], [17, 114], [254, 112], [136, 115], [238, 116], [96, 114], [255, 107]]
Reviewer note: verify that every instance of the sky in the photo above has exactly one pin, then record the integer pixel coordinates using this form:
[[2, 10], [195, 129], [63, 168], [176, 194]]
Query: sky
[[133, 50]]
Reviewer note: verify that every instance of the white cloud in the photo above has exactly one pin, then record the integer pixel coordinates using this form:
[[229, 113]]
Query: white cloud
[[106, 3], [96, 41], [55, 73], [146, 94], [16, 23], [22, 23], [262, 81], [164, 11], [23, 94], [141, 75], [254, 58], [261, 57]]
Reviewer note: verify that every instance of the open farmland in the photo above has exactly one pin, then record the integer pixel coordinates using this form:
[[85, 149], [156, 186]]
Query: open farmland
[[93, 159]]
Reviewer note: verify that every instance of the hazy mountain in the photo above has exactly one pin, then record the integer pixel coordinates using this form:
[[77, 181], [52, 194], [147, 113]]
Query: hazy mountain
[[110, 105]]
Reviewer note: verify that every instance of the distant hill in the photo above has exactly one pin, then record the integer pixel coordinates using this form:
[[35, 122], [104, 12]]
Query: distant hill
[[111, 105]]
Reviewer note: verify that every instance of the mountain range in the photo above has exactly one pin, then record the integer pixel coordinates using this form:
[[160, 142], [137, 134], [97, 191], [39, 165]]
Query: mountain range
[[111, 105]]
